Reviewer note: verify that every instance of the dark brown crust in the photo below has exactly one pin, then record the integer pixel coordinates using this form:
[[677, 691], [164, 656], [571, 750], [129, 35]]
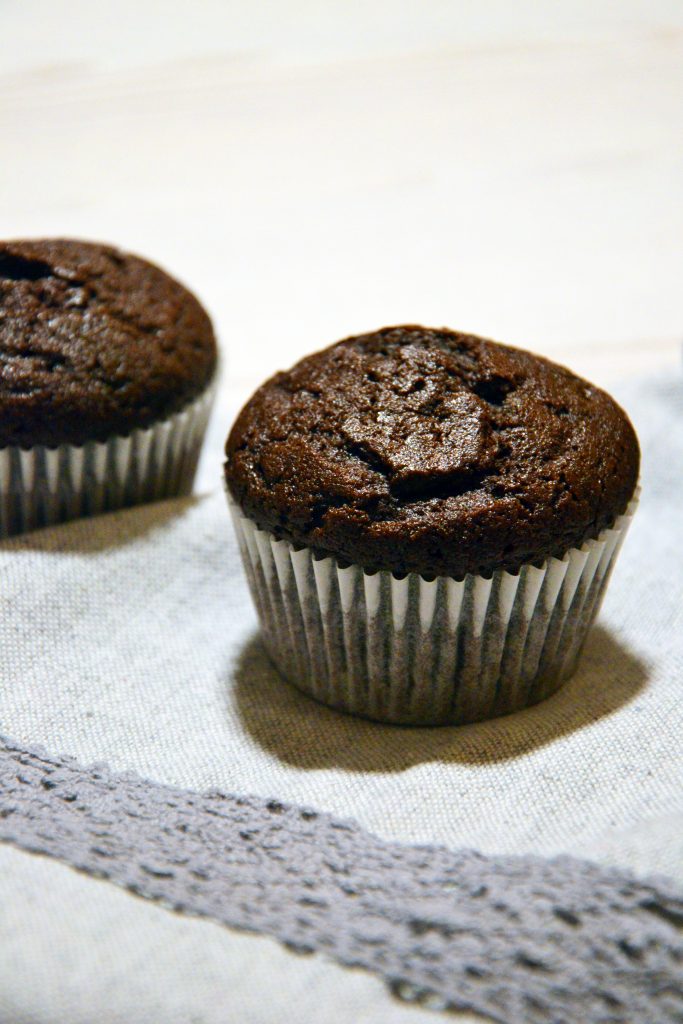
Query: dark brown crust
[[428, 451], [93, 342]]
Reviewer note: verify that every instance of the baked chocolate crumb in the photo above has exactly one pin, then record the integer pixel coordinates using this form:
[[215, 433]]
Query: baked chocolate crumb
[[93, 342], [420, 450]]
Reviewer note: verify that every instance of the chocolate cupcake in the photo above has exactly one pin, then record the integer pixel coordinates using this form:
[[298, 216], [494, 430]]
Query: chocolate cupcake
[[106, 365], [428, 521]]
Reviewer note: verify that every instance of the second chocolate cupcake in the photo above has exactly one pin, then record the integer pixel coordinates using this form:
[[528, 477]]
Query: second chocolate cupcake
[[106, 366], [428, 520]]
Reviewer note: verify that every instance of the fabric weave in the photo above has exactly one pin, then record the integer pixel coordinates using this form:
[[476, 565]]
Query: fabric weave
[[131, 639], [514, 938]]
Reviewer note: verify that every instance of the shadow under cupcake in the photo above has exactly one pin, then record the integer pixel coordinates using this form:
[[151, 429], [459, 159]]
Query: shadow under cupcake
[[106, 367], [428, 521]]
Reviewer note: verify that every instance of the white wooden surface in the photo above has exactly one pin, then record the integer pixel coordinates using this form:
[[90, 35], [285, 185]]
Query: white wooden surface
[[314, 168]]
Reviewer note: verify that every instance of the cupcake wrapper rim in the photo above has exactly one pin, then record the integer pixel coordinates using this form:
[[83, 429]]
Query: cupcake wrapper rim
[[41, 486], [417, 651]]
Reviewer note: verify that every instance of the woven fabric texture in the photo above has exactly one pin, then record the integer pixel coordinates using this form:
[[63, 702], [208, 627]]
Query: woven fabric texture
[[130, 639], [514, 938]]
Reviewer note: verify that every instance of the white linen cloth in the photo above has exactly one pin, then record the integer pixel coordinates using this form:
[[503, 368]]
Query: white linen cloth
[[131, 639]]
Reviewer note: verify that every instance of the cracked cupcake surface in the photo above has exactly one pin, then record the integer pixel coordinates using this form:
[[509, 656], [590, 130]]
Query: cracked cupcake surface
[[94, 342], [428, 451]]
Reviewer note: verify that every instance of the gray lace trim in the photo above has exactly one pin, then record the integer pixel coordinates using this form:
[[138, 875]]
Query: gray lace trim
[[512, 938]]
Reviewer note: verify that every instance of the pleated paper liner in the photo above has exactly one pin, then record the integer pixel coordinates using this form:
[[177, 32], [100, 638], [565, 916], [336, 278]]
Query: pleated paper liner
[[40, 486], [425, 652]]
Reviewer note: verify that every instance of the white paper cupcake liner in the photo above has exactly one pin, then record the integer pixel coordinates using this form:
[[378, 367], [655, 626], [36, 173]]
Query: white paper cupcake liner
[[425, 652], [40, 486]]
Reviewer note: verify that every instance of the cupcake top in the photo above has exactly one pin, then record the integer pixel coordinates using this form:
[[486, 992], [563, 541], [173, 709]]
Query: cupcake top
[[429, 451], [93, 342]]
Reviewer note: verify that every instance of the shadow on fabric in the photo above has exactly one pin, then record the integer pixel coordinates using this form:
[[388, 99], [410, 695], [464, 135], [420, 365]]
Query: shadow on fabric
[[305, 734], [95, 534]]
